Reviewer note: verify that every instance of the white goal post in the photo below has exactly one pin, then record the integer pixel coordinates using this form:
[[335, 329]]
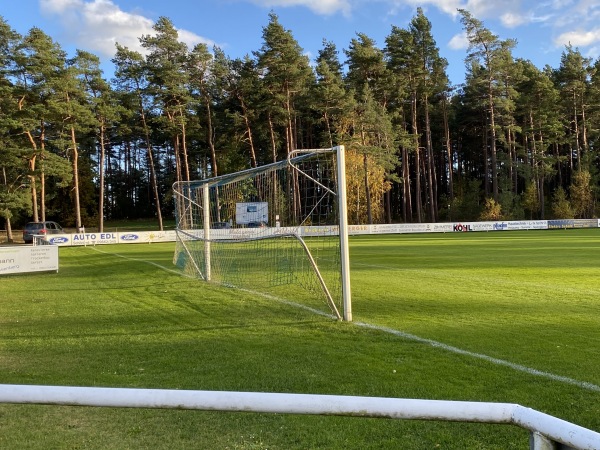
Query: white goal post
[[280, 229]]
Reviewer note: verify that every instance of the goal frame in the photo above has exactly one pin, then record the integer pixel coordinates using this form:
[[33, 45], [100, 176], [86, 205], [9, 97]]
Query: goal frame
[[203, 202]]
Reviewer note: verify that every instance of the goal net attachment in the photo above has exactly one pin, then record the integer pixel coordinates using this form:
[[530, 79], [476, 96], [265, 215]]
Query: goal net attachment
[[279, 229]]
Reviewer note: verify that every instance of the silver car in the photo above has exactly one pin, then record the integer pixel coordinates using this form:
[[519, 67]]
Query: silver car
[[40, 229]]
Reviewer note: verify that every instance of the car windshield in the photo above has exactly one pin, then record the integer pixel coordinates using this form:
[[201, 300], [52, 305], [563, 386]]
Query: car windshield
[[34, 226]]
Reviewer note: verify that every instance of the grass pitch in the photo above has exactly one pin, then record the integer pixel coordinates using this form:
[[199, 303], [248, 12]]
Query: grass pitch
[[505, 317]]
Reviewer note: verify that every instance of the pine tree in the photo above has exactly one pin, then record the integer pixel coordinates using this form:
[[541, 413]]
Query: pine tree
[[486, 50], [202, 84], [14, 197], [131, 79], [572, 78], [245, 86], [330, 98], [286, 75], [403, 62], [432, 81], [107, 112], [37, 74], [372, 134], [541, 129], [168, 81]]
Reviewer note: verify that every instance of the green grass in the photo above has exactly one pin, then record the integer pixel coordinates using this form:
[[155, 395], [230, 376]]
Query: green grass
[[528, 298]]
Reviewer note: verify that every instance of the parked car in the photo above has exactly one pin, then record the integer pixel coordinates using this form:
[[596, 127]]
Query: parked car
[[221, 225], [40, 229], [259, 224]]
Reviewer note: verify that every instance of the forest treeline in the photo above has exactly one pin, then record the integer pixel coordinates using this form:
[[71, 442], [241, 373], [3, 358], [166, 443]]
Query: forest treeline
[[513, 142]]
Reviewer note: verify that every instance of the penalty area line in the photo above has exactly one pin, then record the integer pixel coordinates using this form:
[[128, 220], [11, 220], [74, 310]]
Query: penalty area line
[[152, 263], [497, 361], [413, 337]]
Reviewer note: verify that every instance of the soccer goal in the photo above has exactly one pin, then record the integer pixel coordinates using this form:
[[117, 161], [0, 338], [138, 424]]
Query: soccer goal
[[279, 229]]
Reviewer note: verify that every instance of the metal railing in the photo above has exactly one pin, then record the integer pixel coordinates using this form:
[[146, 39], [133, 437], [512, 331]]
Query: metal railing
[[546, 432]]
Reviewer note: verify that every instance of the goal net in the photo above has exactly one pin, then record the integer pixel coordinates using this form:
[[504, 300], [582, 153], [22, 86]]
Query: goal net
[[278, 229]]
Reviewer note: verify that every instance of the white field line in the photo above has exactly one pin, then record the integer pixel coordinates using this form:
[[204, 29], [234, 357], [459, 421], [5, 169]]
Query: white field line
[[166, 269], [402, 334], [497, 361]]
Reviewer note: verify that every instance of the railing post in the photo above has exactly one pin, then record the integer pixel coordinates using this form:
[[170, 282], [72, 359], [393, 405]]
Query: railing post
[[537, 441]]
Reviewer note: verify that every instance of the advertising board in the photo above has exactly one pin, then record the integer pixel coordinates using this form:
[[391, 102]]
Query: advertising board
[[247, 212], [24, 259]]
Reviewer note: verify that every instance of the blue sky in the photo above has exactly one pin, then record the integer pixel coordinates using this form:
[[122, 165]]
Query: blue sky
[[542, 28]]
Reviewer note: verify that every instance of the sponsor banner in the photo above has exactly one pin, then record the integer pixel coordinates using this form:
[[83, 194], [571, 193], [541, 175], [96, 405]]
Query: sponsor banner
[[586, 223], [131, 237], [561, 223], [359, 229], [573, 223], [138, 237], [401, 228], [415, 227], [278, 231], [326, 230], [472, 226], [441, 227], [527, 225], [94, 238], [500, 226], [24, 259], [59, 239], [145, 237]]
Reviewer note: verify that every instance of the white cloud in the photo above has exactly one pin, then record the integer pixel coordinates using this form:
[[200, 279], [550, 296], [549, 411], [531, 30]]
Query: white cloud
[[578, 38], [322, 7], [459, 41], [510, 20], [97, 25]]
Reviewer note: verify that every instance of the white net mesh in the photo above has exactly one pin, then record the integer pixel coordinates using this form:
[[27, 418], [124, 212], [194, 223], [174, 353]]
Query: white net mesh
[[273, 229]]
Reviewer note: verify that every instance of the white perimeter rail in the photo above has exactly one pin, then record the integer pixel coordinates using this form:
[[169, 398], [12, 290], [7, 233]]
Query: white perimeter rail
[[547, 432]]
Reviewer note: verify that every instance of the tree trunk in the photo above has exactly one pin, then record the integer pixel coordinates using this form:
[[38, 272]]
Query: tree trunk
[[367, 190], [152, 170], [101, 180], [210, 136], [42, 173], [431, 175], [450, 169], [406, 191], [34, 205], [493, 144], [78, 223], [9, 236], [328, 127], [576, 125], [291, 145], [155, 187], [584, 142], [186, 165], [31, 162], [272, 134], [418, 198], [253, 162], [9, 233]]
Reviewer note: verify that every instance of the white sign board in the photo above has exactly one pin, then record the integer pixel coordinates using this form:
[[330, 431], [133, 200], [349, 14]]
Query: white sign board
[[23, 259], [246, 213]]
